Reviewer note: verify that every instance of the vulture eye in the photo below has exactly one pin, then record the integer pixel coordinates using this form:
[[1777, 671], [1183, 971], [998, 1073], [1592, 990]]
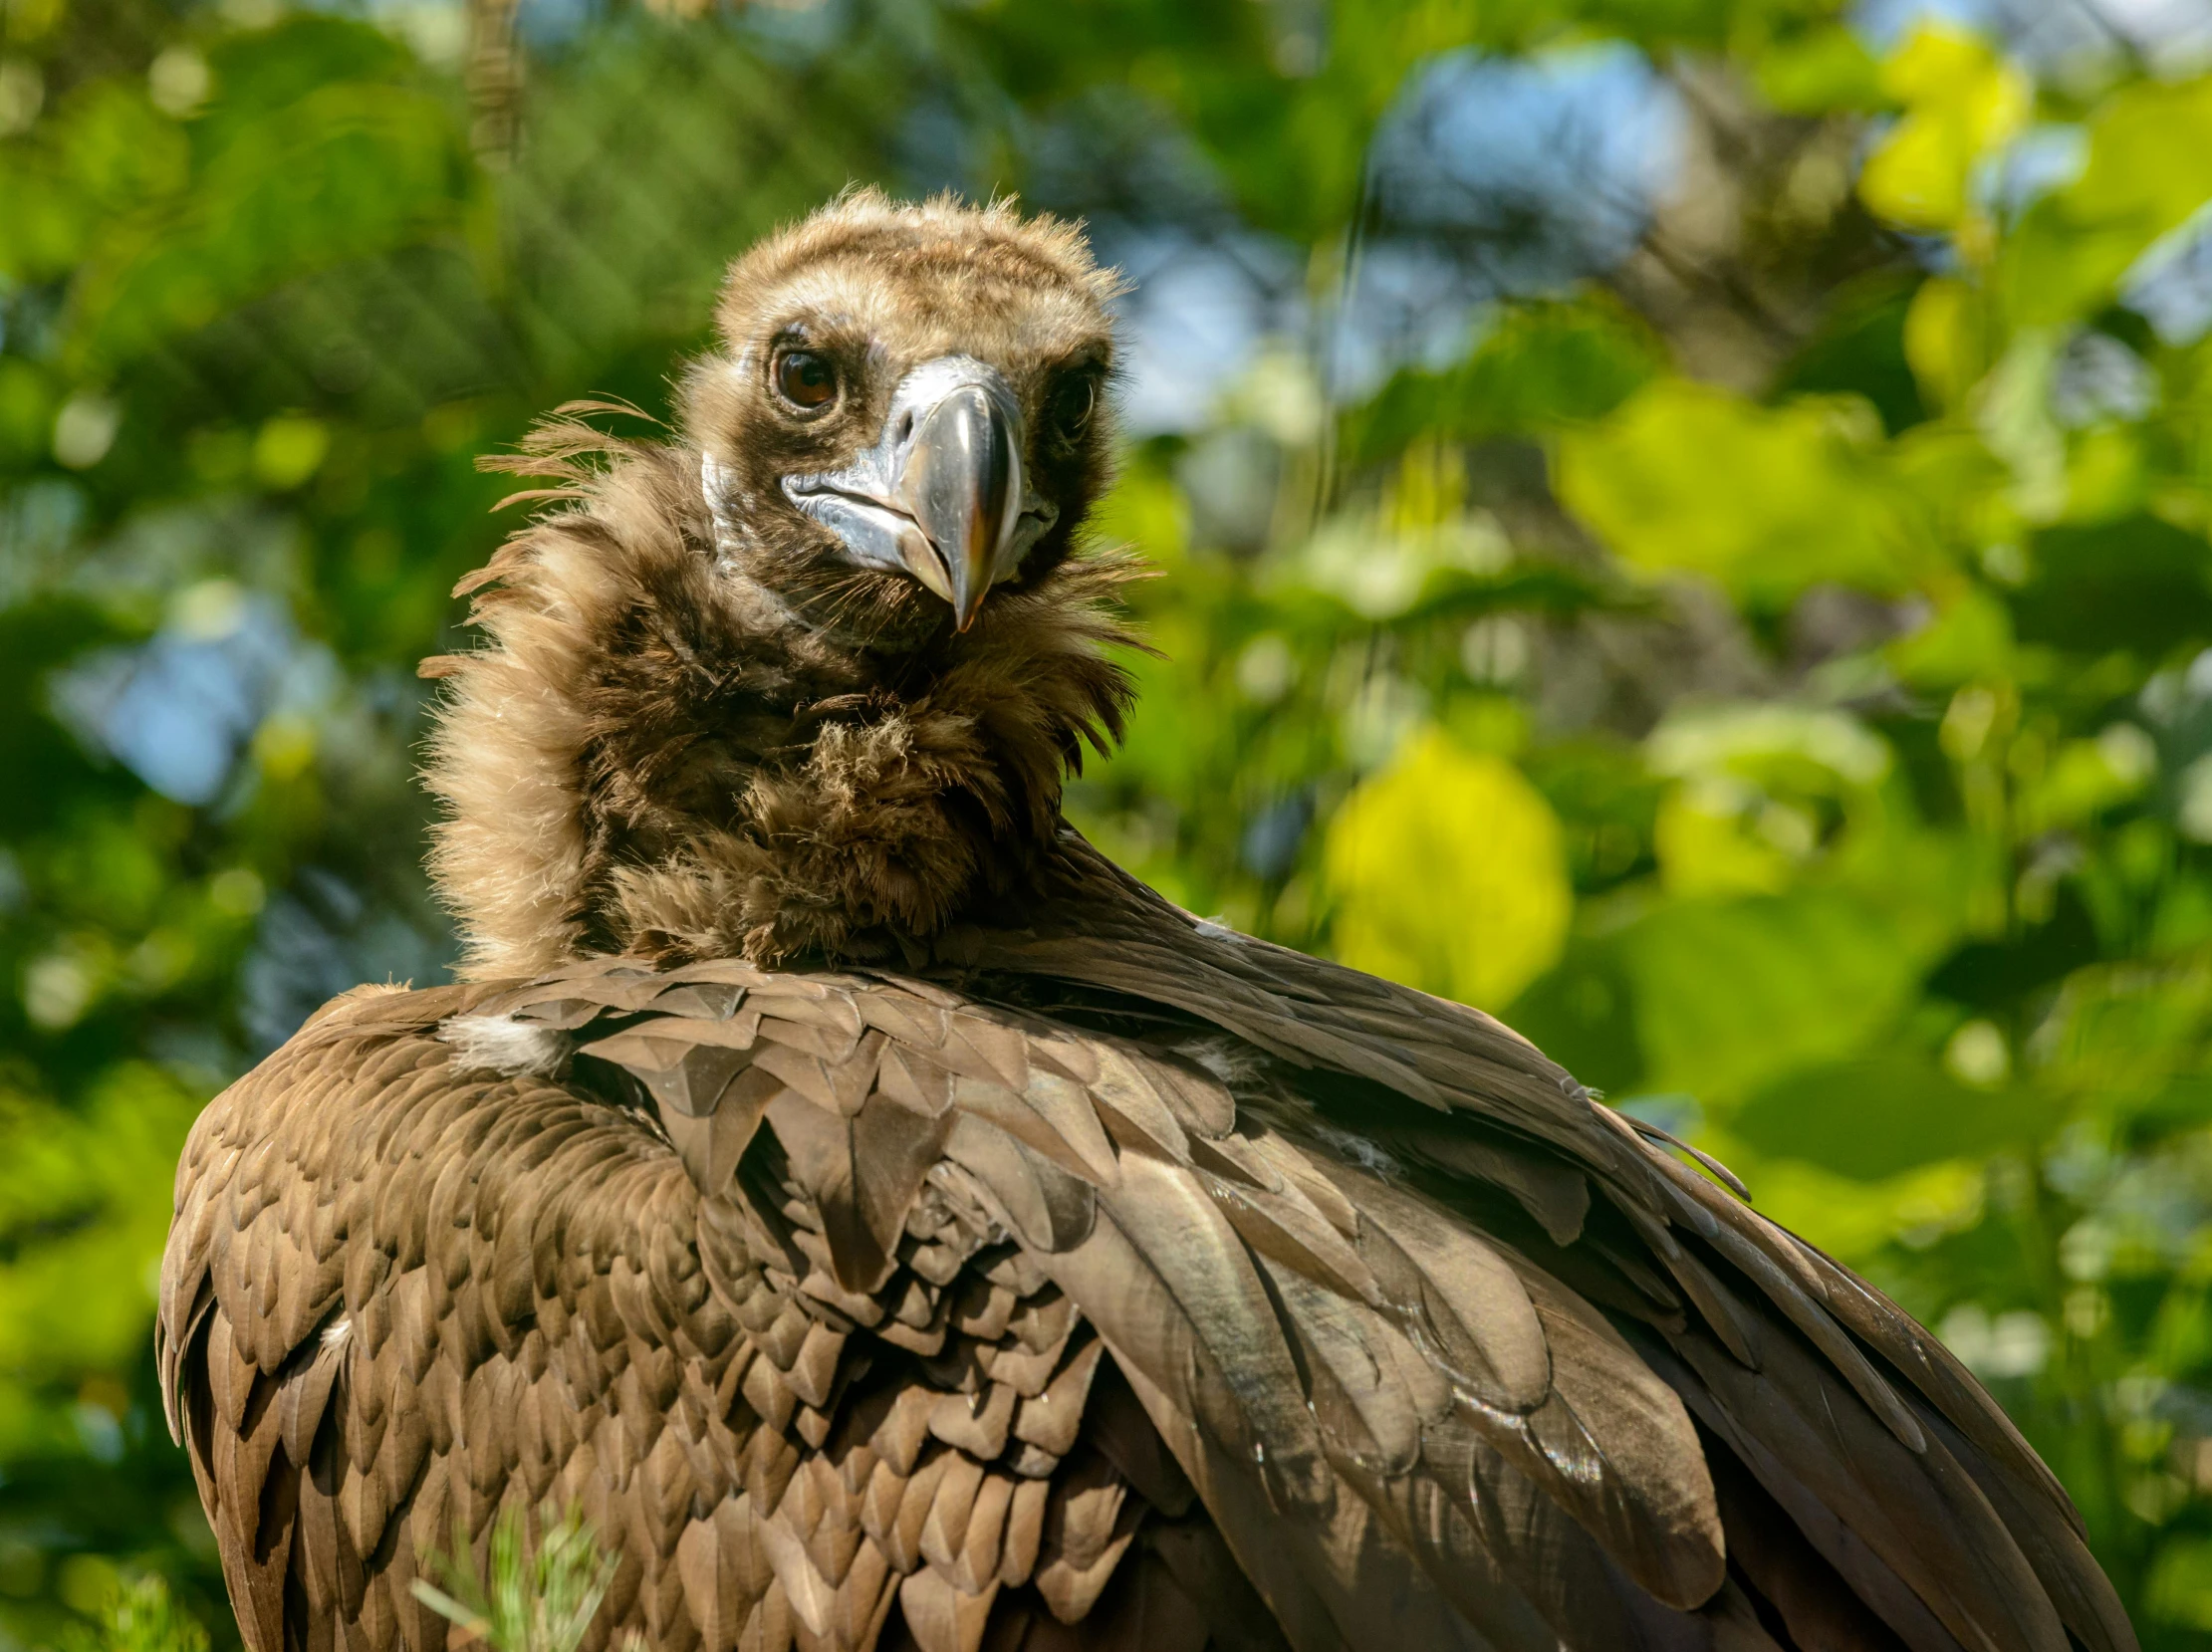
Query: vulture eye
[[1071, 406], [806, 379]]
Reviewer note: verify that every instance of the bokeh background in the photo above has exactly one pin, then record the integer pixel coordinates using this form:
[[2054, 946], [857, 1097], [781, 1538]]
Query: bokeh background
[[1685, 523]]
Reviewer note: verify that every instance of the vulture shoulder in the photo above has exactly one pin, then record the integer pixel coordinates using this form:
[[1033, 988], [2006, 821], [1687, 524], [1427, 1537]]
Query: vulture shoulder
[[1154, 1289]]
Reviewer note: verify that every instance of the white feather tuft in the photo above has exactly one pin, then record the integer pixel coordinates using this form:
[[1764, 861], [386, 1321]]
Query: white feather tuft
[[1358, 1149], [508, 1046], [1232, 1060]]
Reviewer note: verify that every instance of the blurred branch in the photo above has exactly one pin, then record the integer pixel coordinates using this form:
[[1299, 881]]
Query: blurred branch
[[494, 81]]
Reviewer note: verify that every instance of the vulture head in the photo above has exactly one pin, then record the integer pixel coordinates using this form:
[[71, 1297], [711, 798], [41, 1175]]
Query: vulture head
[[902, 416], [805, 681]]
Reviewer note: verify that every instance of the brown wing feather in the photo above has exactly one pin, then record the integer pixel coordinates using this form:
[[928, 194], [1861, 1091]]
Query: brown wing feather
[[1615, 1221], [1222, 1336], [797, 1287], [754, 1301]]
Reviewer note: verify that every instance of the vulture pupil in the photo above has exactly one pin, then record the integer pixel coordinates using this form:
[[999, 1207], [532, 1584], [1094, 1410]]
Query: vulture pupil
[[806, 379]]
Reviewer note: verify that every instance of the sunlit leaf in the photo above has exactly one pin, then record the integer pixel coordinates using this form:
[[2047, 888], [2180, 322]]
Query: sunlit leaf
[[1944, 339], [2108, 473], [1729, 994], [1860, 1221], [1685, 478], [142, 1616], [2149, 170], [1808, 748], [1449, 873], [2085, 777], [1961, 100], [538, 1592], [81, 1198], [2011, 410], [1759, 786], [1708, 845], [1969, 636]]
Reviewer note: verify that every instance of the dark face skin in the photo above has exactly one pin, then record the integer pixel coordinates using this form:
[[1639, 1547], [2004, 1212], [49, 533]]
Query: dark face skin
[[901, 428]]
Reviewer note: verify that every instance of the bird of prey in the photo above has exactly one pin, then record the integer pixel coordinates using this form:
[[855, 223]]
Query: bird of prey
[[893, 1226]]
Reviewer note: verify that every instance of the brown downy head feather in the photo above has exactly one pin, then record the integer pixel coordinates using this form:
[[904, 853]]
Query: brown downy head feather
[[702, 725]]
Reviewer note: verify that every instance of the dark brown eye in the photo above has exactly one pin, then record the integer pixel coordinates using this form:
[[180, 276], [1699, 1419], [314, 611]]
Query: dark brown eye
[[806, 379], [1072, 405]]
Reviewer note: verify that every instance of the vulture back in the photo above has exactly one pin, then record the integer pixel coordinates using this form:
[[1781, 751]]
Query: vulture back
[[1145, 1287]]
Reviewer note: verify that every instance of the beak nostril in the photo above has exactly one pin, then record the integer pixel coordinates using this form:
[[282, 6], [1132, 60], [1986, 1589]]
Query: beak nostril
[[906, 425]]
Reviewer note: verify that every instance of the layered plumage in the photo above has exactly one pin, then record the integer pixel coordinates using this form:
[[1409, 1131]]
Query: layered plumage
[[892, 1225]]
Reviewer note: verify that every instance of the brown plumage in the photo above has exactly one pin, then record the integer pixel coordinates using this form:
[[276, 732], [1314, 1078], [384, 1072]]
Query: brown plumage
[[893, 1226]]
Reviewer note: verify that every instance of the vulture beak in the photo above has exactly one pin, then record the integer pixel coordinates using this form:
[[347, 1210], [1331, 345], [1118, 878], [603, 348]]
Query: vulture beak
[[942, 494]]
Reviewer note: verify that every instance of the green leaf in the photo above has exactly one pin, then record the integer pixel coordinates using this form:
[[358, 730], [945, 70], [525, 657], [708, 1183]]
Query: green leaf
[[27, 402], [349, 170], [1876, 1115], [1994, 975], [1819, 70], [1729, 994], [1538, 366], [1859, 349], [118, 150], [1583, 1014], [2149, 170], [259, 73], [109, 151], [536, 1595], [142, 1616], [2139, 583], [1970, 636], [1686, 478], [83, 1197], [1947, 340], [1961, 100], [2179, 1589], [1449, 873]]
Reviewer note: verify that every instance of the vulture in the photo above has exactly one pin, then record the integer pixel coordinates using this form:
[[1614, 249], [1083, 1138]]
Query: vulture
[[890, 1224]]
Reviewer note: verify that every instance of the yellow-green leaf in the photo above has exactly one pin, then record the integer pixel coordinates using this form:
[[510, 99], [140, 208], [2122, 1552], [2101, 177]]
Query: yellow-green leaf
[[1945, 343], [2149, 170], [1822, 69], [1766, 499], [1730, 994], [1961, 100], [1449, 872]]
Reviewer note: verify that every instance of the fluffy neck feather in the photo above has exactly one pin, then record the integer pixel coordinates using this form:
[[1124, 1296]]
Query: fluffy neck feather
[[654, 755]]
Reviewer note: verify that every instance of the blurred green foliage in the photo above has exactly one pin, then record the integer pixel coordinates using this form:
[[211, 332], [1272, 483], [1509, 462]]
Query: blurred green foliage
[[140, 1615], [532, 1595], [1746, 620]]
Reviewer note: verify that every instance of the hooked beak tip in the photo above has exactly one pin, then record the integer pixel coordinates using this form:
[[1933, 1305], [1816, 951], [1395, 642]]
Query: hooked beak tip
[[961, 481], [941, 575]]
